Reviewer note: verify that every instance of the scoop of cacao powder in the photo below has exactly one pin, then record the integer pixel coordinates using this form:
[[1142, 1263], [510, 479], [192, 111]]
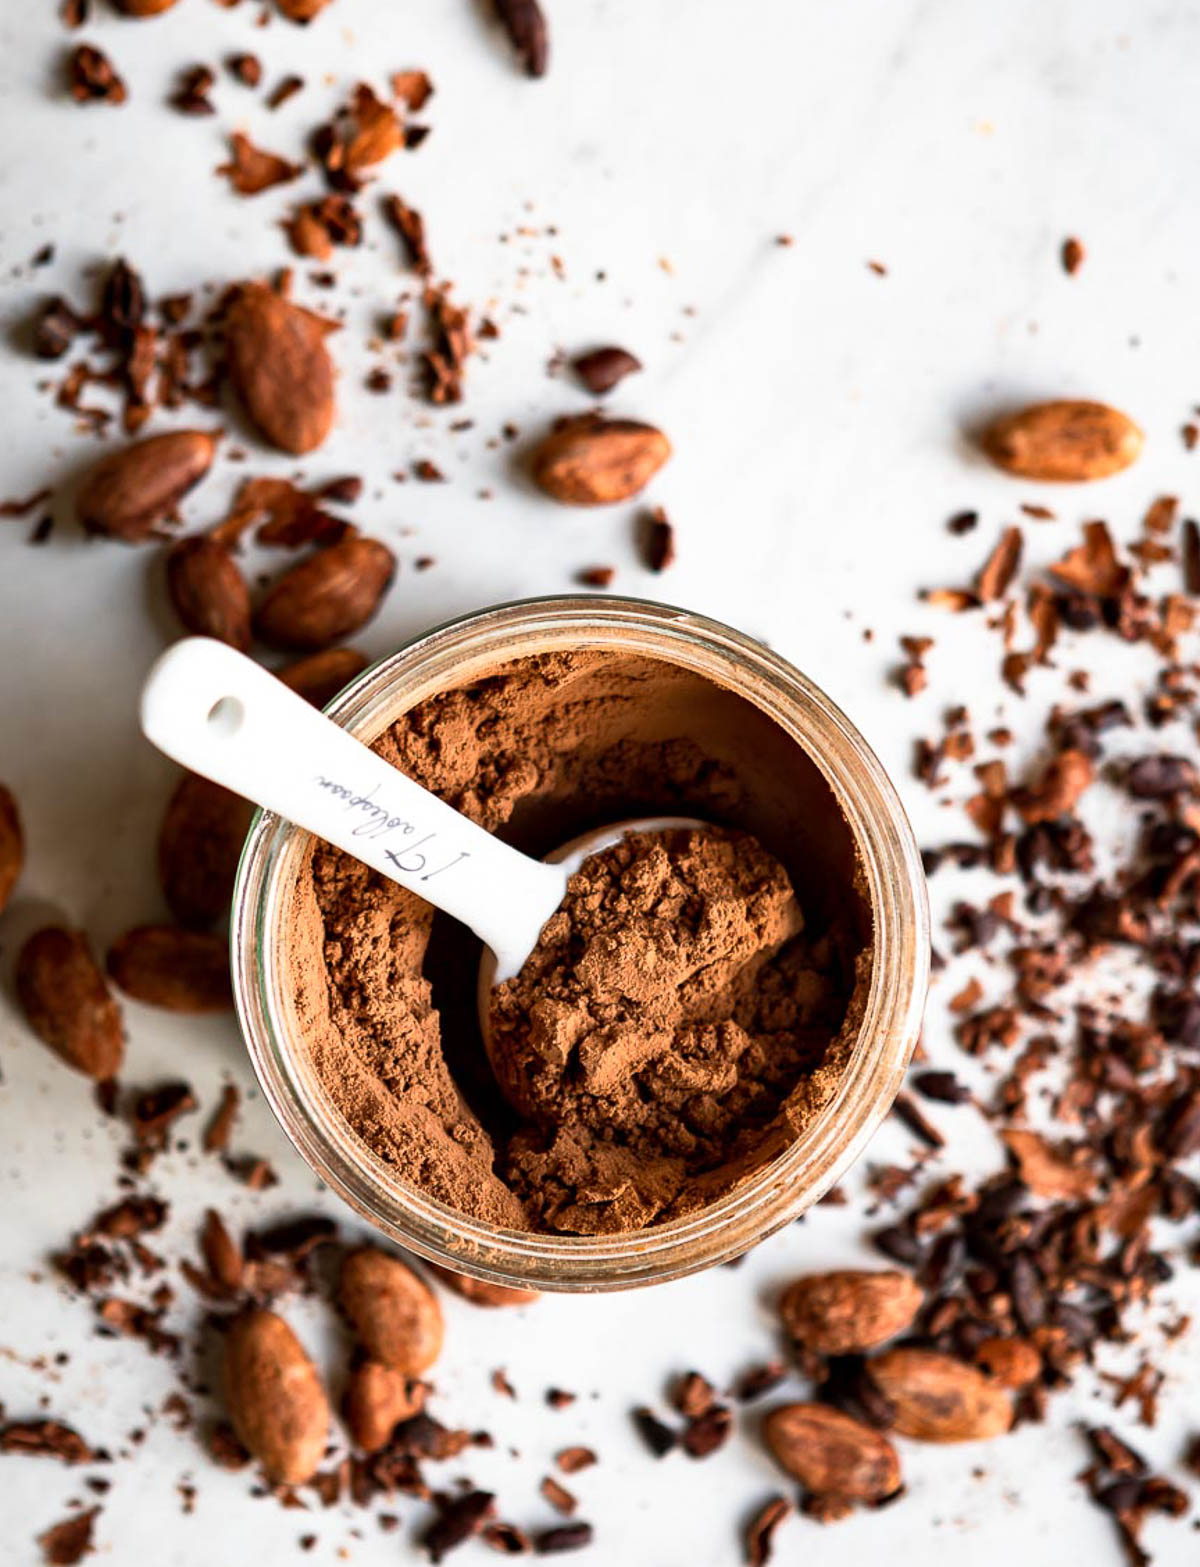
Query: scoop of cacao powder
[[668, 1009]]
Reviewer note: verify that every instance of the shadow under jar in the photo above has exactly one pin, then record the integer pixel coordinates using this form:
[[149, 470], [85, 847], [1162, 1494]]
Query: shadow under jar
[[543, 719]]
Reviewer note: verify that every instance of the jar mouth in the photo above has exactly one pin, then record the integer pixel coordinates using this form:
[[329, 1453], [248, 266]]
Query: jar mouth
[[764, 1200]]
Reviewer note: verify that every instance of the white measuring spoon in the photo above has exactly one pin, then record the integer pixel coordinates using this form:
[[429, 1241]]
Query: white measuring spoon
[[221, 714]]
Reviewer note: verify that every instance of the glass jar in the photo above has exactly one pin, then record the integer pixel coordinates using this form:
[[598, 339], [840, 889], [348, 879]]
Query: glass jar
[[891, 879]]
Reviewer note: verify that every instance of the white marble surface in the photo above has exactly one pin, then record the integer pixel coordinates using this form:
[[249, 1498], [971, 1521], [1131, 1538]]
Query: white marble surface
[[816, 410]]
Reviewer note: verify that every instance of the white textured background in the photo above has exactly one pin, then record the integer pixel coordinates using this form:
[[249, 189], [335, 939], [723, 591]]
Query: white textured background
[[817, 411]]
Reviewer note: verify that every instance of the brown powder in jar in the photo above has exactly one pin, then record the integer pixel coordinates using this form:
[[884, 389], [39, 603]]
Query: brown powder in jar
[[541, 750], [667, 1010]]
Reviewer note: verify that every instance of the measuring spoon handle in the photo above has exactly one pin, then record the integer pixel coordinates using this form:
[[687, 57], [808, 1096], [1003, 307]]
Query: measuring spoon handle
[[220, 714]]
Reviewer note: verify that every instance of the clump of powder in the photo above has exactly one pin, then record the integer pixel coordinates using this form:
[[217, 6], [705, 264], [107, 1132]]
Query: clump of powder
[[665, 1013]]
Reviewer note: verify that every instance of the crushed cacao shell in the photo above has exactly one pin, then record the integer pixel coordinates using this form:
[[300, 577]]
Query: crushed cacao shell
[[362, 134], [451, 344], [657, 538], [191, 95], [558, 1496], [597, 576], [658, 1436], [410, 226], [251, 170], [315, 227], [525, 24], [707, 1432], [1073, 255], [286, 88], [45, 1439], [247, 68], [602, 368], [91, 77], [68, 1542], [458, 1519], [572, 1459], [760, 1531], [566, 1537]]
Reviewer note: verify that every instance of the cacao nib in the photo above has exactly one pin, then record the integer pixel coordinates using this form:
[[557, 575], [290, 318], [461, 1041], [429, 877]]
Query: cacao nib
[[458, 1519], [525, 24], [91, 77], [602, 368], [658, 1437], [657, 540], [564, 1537]]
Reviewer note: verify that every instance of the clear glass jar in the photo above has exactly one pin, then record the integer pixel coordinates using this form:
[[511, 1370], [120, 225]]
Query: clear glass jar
[[890, 871]]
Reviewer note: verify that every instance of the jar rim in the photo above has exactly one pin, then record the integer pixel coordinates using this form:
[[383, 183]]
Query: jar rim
[[825, 1146]]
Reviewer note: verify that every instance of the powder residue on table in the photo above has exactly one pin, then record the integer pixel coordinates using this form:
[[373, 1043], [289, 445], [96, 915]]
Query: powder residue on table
[[678, 1089]]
